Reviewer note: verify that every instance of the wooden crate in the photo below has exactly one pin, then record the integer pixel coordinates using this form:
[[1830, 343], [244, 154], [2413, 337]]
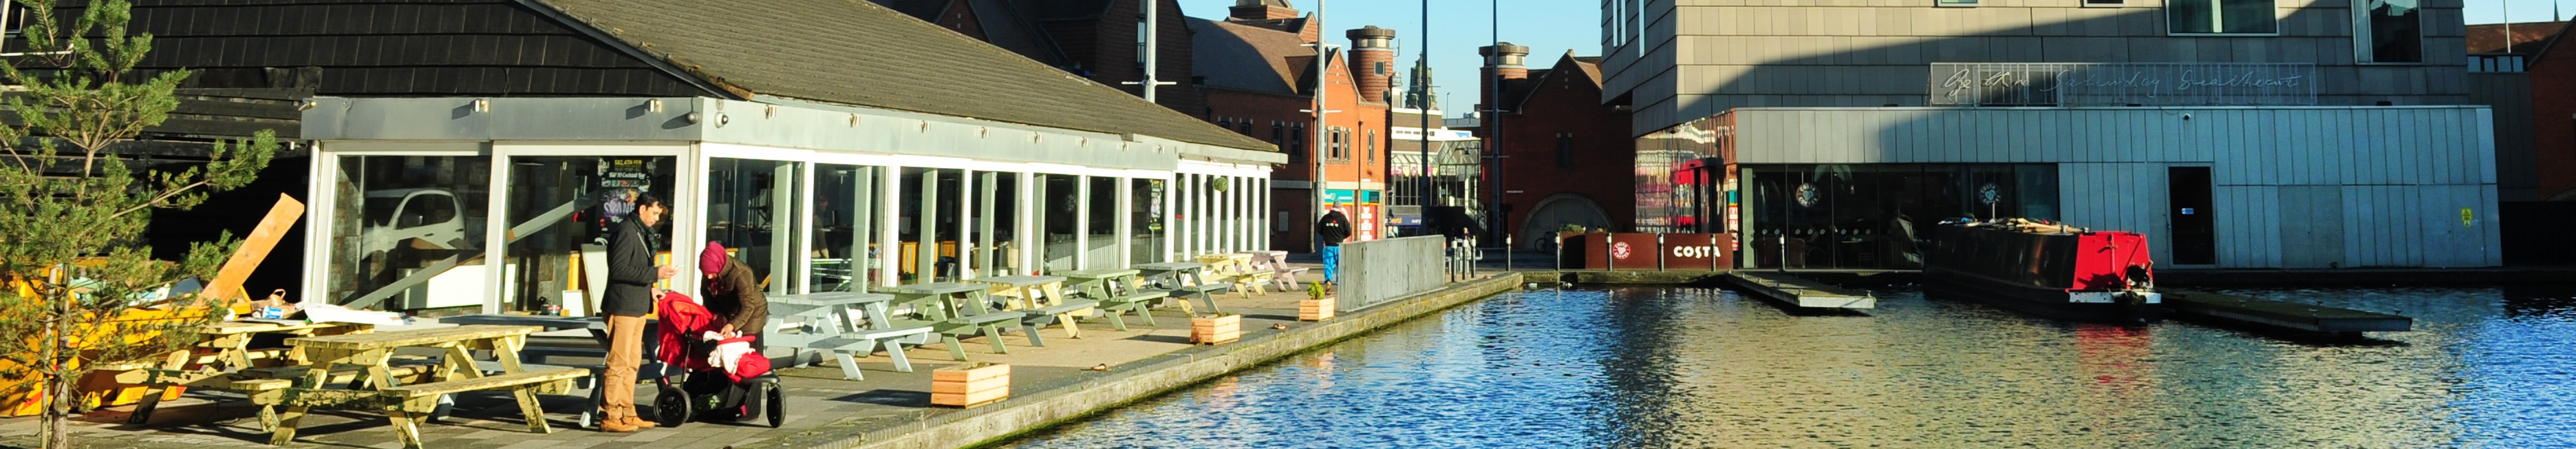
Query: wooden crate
[[1315, 309], [970, 385], [1216, 329]]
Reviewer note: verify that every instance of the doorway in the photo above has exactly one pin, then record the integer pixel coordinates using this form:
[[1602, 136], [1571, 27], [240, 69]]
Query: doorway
[[2195, 234]]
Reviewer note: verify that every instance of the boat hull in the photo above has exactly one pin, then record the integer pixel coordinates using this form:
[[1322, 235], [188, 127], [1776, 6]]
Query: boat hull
[[2093, 306]]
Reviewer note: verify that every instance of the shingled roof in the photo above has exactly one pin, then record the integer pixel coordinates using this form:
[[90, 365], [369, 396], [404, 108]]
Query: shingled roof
[[1249, 58], [859, 53]]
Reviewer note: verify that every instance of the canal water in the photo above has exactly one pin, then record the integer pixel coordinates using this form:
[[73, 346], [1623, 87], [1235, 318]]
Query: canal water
[[1675, 368]]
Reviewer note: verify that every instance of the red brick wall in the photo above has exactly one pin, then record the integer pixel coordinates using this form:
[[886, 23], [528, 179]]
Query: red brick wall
[[1565, 101], [961, 17], [1264, 109], [2553, 103], [1107, 47]]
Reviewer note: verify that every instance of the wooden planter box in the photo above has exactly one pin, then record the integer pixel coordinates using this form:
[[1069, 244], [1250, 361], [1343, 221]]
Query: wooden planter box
[[1315, 309], [970, 385], [1216, 329]]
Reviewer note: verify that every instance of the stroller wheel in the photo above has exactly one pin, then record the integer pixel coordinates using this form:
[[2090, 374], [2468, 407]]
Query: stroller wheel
[[776, 402], [672, 404]]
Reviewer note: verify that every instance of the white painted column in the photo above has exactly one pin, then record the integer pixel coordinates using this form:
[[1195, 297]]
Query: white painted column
[[1268, 218], [925, 249], [1171, 230], [1181, 217], [987, 186], [966, 224], [800, 260], [889, 215], [1126, 222], [1026, 242], [1082, 222]]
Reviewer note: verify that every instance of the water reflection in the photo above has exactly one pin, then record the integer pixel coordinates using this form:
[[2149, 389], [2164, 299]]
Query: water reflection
[[1702, 368]]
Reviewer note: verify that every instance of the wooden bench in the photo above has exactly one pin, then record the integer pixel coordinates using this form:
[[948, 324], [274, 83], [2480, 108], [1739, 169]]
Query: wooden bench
[[989, 324], [408, 405], [847, 347], [1138, 303], [1205, 294], [1061, 313]]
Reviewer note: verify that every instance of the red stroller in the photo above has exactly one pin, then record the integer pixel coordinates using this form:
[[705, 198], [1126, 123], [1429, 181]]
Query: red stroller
[[707, 388]]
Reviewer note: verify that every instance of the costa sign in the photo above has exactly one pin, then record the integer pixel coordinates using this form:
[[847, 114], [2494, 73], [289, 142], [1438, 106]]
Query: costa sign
[[1645, 251]]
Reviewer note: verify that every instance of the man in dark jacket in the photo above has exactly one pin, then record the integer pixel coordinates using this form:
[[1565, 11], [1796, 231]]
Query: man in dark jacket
[[631, 275], [732, 292], [1331, 231]]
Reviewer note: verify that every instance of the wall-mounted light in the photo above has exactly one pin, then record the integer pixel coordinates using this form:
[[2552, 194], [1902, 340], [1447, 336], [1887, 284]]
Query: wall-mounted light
[[771, 112], [693, 117], [722, 120], [482, 105], [854, 120], [653, 105], [306, 105]]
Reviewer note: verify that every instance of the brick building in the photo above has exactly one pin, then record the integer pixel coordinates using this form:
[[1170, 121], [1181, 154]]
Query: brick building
[[1097, 39], [1567, 156], [1258, 74]]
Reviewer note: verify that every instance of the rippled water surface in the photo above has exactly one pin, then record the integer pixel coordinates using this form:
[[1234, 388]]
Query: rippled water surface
[[1657, 368]]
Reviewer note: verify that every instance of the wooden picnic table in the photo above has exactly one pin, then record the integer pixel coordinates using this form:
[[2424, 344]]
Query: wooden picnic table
[[223, 347], [1235, 269], [1183, 279], [1042, 297], [834, 332], [405, 405], [954, 309], [1094, 284], [652, 368]]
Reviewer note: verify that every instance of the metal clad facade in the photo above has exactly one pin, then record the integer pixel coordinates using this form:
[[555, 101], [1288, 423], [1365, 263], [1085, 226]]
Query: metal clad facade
[[2293, 187]]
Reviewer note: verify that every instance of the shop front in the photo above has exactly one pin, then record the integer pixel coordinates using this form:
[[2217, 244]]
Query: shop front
[[505, 204]]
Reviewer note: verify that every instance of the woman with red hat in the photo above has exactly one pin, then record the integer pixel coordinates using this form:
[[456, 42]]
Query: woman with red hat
[[733, 292]]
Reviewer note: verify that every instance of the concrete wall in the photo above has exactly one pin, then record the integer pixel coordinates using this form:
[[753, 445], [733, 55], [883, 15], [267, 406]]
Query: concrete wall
[[1696, 58], [1382, 270], [2294, 187]]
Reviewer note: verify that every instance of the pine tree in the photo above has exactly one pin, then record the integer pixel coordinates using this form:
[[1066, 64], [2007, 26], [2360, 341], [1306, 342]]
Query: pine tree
[[72, 214]]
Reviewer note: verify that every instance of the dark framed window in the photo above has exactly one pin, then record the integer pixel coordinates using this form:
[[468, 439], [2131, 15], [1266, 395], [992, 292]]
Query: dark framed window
[[2388, 30], [1565, 150], [2222, 17]]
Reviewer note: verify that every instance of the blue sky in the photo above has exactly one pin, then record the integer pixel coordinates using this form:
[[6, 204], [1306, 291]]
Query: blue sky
[[1550, 27], [1459, 27]]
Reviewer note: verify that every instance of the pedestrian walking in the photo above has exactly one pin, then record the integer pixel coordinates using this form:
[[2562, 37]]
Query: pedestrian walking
[[1331, 231], [631, 292]]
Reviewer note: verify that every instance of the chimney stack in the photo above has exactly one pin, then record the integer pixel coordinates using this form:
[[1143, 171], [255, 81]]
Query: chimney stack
[[1262, 10], [1373, 61], [1503, 59]]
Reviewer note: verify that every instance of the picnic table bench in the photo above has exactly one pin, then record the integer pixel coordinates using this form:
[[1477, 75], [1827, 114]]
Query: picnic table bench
[[1118, 292], [404, 405], [954, 310], [828, 327], [224, 349], [1235, 269], [1186, 280], [651, 369], [1042, 302]]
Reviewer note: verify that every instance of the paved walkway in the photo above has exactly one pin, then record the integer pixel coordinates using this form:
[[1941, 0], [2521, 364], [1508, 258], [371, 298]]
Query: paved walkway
[[820, 405]]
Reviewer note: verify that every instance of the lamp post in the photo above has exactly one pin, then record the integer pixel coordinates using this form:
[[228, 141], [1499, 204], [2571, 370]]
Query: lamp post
[[1315, 184]]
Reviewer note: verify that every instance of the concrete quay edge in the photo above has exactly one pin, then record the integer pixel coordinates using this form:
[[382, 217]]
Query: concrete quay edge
[[1035, 407]]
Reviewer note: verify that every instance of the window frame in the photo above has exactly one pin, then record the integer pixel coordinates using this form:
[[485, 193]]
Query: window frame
[[2218, 10], [2363, 51], [1564, 151]]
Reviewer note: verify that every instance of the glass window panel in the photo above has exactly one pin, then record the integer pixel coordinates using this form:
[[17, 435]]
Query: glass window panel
[[408, 232], [2395, 31], [2248, 16], [1104, 222], [1058, 196], [1147, 221], [566, 207], [845, 218], [751, 209], [2191, 16]]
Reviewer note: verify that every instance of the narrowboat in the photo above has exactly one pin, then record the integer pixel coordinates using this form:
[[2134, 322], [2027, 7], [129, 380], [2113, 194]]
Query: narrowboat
[[2045, 268]]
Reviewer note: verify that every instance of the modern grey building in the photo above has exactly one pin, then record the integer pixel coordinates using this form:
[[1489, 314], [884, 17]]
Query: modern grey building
[[2235, 133]]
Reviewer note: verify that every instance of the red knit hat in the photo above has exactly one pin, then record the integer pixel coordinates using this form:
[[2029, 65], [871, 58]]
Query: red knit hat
[[712, 260]]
